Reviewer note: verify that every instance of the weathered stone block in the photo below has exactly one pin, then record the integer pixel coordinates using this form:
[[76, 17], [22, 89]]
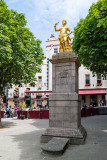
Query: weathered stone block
[[56, 145]]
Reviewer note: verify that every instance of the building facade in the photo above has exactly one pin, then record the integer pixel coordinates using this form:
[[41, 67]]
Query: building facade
[[92, 89], [52, 47], [18, 94]]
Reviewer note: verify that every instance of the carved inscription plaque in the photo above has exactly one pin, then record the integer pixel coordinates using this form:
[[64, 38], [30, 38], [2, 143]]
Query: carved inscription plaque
[[63, 78], [63, 74]]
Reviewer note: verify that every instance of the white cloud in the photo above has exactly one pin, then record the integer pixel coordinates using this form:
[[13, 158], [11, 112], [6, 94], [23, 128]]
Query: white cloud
[[43, 14], [48, 12], [61, 9]]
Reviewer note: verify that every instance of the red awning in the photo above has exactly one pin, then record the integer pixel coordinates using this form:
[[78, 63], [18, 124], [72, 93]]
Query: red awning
[[48, 93], [38, 91], [93, 91]]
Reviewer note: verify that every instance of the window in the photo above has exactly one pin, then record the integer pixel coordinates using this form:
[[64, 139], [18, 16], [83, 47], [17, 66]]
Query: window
[[27, 89], [55, 50], [16, 92], [87, 80], [93, 100], [39, 88], [39, 79], [45, 84], [27, 94], [10, 94], [99, 80]]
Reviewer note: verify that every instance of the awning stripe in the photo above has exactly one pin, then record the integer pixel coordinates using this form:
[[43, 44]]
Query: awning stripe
[[94, 91]]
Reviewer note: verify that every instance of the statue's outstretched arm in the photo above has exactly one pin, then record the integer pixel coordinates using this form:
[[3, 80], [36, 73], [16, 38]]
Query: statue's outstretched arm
[[55, 27]]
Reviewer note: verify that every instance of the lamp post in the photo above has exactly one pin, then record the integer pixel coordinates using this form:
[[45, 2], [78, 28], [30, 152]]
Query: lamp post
[[7, 97], [1, 85], [30, 101]]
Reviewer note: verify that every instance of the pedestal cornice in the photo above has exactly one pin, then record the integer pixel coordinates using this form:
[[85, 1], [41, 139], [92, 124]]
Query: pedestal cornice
[[64, 57]]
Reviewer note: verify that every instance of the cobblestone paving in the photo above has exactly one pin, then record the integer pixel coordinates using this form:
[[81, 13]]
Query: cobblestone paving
[[20, 140]]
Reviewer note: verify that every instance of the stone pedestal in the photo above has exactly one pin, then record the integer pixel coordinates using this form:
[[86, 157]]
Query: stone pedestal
[[64, 102]]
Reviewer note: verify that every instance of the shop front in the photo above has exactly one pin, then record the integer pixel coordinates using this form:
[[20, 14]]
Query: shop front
[[95, 97]]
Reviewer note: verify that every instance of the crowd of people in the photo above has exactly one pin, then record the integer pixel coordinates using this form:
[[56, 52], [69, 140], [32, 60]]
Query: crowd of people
[[39, 107], [12, 111], [100, 104]]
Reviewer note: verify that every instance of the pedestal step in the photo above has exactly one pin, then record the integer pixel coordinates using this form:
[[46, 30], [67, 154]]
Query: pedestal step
[[56, 145], [75, 136]]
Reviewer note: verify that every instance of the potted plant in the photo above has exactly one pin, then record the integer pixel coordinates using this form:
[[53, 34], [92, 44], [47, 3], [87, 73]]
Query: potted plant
[[39, 96], [99, 84], [22, 107], [87, 84]]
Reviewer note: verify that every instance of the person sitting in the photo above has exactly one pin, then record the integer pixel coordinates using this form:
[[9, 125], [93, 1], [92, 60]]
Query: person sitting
[[85, 106], [7, 112]]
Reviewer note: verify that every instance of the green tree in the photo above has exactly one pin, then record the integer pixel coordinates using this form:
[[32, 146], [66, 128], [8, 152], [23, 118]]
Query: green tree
[[20, 52], [90, 38]]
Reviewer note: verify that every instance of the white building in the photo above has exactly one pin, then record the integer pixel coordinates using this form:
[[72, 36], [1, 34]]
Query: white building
[[52, 47], [91, 89], [17, 94]]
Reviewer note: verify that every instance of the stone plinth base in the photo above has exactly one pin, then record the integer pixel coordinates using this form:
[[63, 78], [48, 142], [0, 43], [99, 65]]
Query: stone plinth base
[[76, 136]]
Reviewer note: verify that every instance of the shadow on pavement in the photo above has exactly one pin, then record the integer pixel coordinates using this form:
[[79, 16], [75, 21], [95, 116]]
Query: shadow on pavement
[[6, 124], [94, 147], [29, 143]]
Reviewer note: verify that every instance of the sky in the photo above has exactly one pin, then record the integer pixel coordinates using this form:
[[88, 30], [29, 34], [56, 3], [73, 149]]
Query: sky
[[42, 15]]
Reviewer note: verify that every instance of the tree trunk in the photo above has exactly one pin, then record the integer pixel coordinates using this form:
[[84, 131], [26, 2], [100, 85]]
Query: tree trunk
[[0, 120], [1, 91]]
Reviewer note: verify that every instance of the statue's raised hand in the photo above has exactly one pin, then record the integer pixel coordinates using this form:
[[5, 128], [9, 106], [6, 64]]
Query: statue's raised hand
[[56, 23]]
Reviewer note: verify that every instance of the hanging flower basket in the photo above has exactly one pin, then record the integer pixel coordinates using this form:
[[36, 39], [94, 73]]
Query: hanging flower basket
[[87, 84], [38, 96], [99, 84]]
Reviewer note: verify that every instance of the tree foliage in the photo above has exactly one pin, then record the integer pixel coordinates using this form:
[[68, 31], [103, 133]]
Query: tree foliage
[[90, 38], [20, 52]]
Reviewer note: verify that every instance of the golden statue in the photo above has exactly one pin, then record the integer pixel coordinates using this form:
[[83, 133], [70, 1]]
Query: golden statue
[[63, 37]]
